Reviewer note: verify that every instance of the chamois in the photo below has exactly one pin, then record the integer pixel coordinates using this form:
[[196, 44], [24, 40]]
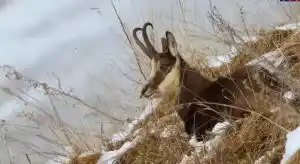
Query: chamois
[[161, 65], [161, 62], [233, 94], [201, 102]]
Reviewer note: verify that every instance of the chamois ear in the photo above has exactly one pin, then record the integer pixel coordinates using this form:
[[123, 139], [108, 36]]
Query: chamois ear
[[172, 44], [164, 44]]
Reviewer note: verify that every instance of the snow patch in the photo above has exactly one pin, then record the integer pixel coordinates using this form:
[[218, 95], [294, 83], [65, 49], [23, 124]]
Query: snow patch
[[87, 154], [292, 145], [219, 129], [217, 61], [289, 95], [149, 109], [268, 60], [109, 157], [291, 26]]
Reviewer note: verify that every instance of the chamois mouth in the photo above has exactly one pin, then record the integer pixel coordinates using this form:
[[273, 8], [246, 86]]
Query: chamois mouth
[[155, 94], [146, 94], [152, 95]]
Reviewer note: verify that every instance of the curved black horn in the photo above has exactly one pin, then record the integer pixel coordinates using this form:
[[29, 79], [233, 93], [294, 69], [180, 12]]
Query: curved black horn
[[146, 38], [140, 44]]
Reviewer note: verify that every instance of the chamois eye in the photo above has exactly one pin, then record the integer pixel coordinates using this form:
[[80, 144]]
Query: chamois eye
[[163, 66]]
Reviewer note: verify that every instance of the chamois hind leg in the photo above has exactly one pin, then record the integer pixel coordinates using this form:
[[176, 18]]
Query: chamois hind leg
[[199, 120]]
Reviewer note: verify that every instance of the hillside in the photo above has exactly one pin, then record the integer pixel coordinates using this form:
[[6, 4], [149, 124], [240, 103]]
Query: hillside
[[157, 136], [72, 74]]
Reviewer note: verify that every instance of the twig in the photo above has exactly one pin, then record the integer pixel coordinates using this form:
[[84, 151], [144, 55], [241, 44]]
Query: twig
[[130, 42], [28, 159]]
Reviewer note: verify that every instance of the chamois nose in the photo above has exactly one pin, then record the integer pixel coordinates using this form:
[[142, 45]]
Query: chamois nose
[[144, 90], [147, 94], [143, 95]]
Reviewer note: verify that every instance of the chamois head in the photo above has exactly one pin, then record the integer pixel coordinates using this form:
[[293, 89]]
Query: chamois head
[[161, 62]]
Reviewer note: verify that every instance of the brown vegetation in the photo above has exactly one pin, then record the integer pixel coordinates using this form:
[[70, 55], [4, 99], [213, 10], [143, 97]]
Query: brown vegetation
[[230, 90]]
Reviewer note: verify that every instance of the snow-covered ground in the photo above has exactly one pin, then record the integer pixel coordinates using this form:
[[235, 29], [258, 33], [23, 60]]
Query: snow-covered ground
[[292, 145], [82, 43]]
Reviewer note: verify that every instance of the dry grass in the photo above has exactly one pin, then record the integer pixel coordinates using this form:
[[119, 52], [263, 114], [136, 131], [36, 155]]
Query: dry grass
[[156, 149], [249, 139], [90, 158], [259, 135], [267, 41], [50, 128], [164, 141], [252, 138]]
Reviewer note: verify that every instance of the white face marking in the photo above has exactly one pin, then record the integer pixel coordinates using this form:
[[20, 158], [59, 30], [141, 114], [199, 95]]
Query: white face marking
[[153, 68], [170, 82]]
